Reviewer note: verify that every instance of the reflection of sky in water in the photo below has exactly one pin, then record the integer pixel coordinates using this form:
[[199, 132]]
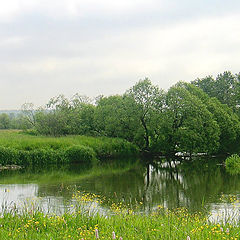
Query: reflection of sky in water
[[226, 212], [25, 197], [15, 193]]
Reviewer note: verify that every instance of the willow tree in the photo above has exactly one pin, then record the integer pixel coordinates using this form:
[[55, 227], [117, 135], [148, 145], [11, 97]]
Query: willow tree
[[62, 116], [148, 102], [227, 120], [4, 121], [115, 116], [188, 126], [226, 88]]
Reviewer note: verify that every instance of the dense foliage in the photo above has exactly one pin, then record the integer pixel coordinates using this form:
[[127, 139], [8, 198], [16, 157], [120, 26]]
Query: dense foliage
[[197, 117], [226, 88], [233, 164]]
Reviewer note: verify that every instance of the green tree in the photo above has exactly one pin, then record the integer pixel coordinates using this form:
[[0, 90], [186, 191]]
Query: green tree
[[227, 120], [19, 121], [62, 116], [53, 118], [228, 123], [148, 101], [207, 84], [116, 116], [188, 126], [226, 88], [4, 121], [81, 119]]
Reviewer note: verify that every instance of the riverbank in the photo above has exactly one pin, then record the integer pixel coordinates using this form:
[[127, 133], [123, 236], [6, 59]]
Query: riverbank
[[23, 149], [80, 222]]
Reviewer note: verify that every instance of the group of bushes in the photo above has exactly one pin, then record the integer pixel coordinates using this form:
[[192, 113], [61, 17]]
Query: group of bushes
[[233, 164], [112, 147], [73, 154]]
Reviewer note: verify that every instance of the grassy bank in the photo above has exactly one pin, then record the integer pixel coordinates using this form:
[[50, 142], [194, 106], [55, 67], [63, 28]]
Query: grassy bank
[[23, 149], [125, 223]]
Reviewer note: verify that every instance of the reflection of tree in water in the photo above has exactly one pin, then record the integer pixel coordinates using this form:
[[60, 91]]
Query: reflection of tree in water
[[190, 187], [177, 188], [185, 186]]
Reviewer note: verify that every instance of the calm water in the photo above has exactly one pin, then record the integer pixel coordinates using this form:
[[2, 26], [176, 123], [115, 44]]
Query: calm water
[[191, 185]]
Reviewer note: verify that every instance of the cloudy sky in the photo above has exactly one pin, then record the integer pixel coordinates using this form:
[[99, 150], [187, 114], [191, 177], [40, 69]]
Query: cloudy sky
[[103, 46]]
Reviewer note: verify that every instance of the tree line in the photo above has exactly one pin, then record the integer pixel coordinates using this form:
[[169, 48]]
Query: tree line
[[13, 120], [197, 117]]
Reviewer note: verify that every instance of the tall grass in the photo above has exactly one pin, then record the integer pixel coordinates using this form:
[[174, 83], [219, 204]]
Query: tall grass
[[82, 222], [19, 148]]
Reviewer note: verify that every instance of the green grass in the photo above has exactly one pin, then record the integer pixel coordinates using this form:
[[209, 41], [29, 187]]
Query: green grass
[[24, 149], [82, 224]]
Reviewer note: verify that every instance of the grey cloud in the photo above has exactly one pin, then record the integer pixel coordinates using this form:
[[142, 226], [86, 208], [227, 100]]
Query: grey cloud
[[105, 52]]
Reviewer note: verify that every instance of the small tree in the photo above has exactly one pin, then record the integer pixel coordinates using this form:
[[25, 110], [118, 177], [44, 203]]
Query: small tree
[[4, 121], [29, 113]]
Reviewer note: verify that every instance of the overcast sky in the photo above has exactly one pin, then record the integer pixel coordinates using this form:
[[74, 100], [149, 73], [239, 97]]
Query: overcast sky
[[98, 47]]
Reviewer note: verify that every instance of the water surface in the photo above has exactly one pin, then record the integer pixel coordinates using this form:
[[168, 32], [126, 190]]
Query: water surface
[[191, 185]]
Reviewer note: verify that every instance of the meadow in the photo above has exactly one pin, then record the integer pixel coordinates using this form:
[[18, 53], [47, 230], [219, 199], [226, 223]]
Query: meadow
[[19, 148]]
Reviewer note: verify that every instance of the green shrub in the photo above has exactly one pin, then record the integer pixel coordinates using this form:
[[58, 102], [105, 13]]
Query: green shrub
[[23, 158], [233, 164], [80, 154], [8, 156], [73, 154], [31, 132], [42, 156], [113, 148]]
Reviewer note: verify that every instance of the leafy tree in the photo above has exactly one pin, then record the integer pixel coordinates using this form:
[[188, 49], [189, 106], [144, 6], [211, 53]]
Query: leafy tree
[[228, 123], [51, 123], [148, 101], [80, 114], [62, 116], [116, 116], [53, 118], [4, 121], [188, 125], [226, 88], [81, 119], [227, 120], [207, 84]]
